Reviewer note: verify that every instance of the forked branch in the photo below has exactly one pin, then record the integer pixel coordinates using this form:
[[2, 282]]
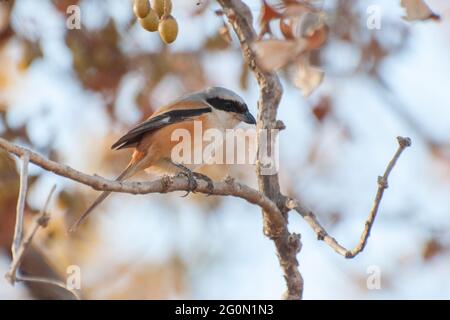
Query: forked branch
[[21, 243], [320, 231]]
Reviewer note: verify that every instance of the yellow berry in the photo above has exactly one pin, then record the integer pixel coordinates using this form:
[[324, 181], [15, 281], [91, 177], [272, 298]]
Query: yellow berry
[[168, 29], [141, 8], [158, 6], [150, 22]]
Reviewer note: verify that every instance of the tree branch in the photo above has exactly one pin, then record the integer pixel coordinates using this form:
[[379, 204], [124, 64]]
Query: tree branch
[[20, 243], [18, 229], [166, 184], [287, 244], [323, 235], [23, 243]]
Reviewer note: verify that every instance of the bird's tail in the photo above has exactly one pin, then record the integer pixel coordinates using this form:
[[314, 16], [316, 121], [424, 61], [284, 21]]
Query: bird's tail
[[128, 172]]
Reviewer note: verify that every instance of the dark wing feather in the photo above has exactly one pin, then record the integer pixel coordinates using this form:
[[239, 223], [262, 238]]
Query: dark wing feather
[[132, 137]]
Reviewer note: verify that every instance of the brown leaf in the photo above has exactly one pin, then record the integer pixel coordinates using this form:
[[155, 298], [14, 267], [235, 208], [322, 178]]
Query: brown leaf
[[310, 23], [322, 109], [312, 27], [275, 54], [307, 78], [286, 30], [431, 248], [318, 38], [296, 9], [418, 10], [268, 14]]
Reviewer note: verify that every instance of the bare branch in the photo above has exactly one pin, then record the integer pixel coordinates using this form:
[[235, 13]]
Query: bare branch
[[166, 184], [228, 187], [322, 234], [40, 221], [23, 243], [18, 231], [287, 245], [18, 251]]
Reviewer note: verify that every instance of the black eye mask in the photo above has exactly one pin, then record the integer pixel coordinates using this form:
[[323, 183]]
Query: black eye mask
[[227, 105]]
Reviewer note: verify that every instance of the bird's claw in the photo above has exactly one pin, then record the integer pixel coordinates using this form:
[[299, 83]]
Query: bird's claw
[[192, 183], [210, 185]]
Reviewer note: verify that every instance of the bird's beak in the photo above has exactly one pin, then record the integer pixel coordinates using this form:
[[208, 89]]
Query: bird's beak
[[248, 118]]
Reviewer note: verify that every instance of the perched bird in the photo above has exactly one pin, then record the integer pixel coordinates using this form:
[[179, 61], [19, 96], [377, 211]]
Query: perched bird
[[215, 108]]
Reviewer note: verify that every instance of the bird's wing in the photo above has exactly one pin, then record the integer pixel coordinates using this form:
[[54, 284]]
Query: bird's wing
[[132, 137]]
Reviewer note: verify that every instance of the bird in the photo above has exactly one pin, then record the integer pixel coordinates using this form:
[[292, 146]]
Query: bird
[[214, 107]]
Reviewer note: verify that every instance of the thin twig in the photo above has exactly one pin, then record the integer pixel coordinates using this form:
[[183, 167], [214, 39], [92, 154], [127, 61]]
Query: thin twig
[[40, 221], [18, 252], [322, 234], [18, 230]]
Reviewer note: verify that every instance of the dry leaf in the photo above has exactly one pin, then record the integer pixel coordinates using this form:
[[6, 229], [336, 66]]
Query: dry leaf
[[431, 249], [296, 9], [307, 78], [322, 109], [286, 30], [309, 23], [418, 10], [311, 27], [318, 38], [275, 54], [268, 14]]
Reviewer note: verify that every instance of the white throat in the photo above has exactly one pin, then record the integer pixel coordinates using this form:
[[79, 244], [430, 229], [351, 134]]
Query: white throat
[[223, 119]]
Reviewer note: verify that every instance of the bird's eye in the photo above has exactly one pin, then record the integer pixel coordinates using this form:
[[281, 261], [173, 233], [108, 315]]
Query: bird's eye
[[227, 105]]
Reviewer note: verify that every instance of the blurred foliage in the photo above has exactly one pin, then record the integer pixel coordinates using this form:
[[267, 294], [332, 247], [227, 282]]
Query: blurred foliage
[[100, 65]]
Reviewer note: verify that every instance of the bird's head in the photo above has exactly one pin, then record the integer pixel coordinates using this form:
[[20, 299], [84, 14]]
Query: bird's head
[[228, 101]]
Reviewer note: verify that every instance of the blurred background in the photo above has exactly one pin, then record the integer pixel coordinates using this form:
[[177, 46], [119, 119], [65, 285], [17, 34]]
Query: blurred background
[[69, 94]]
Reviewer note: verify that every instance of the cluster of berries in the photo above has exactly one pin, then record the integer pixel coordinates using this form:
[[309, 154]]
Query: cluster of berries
[[155, 16]]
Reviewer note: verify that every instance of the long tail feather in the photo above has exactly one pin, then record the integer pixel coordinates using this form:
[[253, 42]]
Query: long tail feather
[[128, 172]]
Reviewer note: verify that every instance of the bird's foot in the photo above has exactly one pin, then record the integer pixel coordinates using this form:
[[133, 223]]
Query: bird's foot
[[192, 183], [210, 184]]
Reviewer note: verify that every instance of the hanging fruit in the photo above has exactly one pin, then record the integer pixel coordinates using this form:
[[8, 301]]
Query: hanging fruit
[[155, 15], [161, 6], [168, 29], [150, 22], [141, 8]]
